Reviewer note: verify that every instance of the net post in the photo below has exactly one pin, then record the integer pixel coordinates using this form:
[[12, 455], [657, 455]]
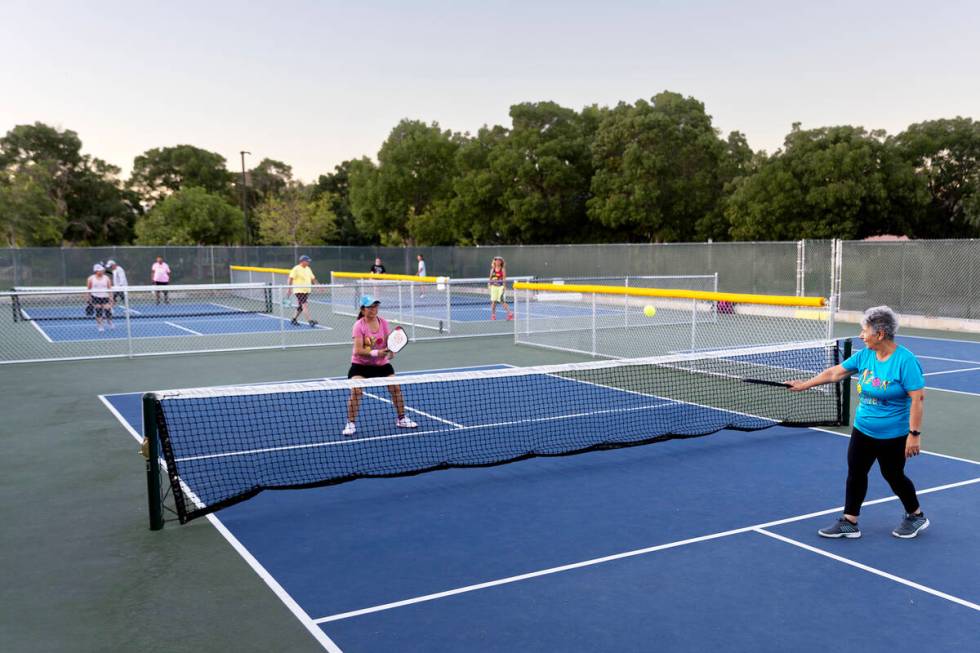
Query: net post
[[831, 310], [694, 323], [449, 303], [129, 322], [846, 389], [151, 450], [517, 314], [281, 310], [626, 304], [800, 267], [714, 305], [411, 300], [593, 326], [267, 296], [15, 305]]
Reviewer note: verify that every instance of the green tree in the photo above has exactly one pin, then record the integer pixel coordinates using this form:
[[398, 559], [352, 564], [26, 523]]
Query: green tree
[[542, 170], [946, 153], [268, 179], [100, 211], [85, 192], [191, 216], [336, 185], [28, 215], [161, 171], [476, 214], [833, 182], [416, 165], [659, 169], [293, 217]]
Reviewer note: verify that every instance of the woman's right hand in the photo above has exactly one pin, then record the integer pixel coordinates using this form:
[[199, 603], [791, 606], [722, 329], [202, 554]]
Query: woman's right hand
[[796, 385]]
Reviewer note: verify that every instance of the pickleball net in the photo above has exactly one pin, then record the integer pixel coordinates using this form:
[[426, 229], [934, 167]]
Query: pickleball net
[[79, 304], [223, 445]]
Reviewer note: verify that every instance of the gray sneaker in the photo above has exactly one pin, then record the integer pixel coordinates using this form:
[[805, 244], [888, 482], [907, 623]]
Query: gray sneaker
[[911, 526], [841, 528]]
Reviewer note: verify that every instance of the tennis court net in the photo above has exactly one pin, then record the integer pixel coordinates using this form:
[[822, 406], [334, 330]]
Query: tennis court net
[[139, 302], [225, 445]]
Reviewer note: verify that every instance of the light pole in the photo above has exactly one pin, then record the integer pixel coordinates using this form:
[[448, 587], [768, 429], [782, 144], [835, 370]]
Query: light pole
[[244, 202]]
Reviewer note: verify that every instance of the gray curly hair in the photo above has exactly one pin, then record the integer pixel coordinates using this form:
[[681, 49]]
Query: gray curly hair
[[881, 319]]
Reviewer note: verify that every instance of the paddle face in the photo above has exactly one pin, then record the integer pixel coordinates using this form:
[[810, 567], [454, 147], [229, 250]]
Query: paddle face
[[397, 340]]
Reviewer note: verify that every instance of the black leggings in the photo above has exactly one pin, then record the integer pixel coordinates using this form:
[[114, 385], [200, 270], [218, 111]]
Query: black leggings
[[890, 454]]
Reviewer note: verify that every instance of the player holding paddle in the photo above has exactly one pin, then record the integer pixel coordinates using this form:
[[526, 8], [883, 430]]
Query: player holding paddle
[[375, 343], [886, 425], [497, 283]]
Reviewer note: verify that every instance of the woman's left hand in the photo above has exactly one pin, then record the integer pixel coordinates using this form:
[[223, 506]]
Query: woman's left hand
[[912, 447]]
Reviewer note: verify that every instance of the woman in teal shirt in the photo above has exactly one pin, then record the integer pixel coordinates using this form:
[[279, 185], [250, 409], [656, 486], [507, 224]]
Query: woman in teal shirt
[[891, 392]]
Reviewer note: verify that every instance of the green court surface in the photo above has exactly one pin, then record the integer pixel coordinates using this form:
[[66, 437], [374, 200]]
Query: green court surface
[[81, 570]]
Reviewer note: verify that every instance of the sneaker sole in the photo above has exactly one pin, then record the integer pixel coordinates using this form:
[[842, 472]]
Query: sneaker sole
[[913, 533], [834, 536]]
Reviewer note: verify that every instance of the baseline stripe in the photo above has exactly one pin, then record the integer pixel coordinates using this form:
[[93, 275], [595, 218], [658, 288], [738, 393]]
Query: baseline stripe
[[871, 570]]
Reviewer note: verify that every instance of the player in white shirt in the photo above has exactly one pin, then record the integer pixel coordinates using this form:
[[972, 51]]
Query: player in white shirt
[[100, 297], [119, 281], [421, 274]]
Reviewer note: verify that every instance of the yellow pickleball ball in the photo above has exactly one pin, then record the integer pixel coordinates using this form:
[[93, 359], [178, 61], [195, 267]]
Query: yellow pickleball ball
[[649, 311]]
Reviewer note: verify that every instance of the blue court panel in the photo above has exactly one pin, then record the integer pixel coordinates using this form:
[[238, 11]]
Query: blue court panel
[[368, 543], [743, 593], [85, 328]]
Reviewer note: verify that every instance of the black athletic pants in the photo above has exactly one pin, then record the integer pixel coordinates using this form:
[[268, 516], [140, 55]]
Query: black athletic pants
[[890, 454]]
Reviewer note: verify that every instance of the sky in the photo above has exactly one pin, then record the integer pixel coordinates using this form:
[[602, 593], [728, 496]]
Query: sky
[[315, 83]]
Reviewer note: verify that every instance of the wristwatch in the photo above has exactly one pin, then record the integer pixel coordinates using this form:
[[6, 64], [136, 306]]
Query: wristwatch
[[915, 433]]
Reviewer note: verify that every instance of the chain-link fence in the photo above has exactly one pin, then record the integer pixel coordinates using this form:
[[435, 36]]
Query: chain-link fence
[[936, 278], [917, 278], [760, 267]]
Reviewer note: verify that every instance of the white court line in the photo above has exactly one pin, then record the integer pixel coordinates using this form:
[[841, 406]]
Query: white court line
[[35, 325], [242, 313], [177, 326], [318, 634], [417, 412], [617, 556], [871, 570], [955, 392], [951, 360], [965, 369], [903, 335], [924, 452], [41, 331]]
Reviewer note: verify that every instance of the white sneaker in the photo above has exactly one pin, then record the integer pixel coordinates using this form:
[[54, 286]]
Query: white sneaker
[[405, 423], [101, 329], [350, 429], [112, 326]]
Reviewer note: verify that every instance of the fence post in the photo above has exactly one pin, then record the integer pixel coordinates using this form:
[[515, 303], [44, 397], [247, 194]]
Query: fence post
[[593, 326], [129, 323]]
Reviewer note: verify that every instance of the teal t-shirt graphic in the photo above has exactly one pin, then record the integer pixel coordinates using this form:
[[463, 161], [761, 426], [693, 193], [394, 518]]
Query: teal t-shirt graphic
[[883, 387]]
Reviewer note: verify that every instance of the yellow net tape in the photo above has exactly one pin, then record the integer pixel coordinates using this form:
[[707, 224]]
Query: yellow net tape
[[249, 268], [388, 277], [735, 298]]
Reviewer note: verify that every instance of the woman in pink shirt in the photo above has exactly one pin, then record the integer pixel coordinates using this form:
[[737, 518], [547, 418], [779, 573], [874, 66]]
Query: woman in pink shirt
[[160, 276], [371, 359]]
